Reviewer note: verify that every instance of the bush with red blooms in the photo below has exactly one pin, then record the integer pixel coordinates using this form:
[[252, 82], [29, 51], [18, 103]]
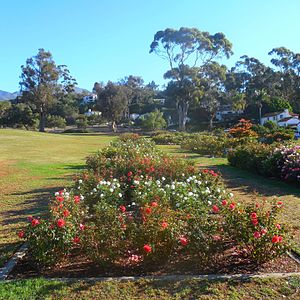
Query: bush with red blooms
[[135, 205], [255, 229], [243, 129]]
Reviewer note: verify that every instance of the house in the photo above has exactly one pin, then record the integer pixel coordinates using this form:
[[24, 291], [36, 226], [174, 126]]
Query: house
[[92, 113], [283, 119], [89, 99], [226, 112]]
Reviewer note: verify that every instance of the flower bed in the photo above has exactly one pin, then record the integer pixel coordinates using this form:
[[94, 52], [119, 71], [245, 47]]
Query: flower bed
[[135, 207], [281, 161]]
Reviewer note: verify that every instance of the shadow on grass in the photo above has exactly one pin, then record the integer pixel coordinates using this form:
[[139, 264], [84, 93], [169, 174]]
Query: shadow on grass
[[248, 182], [34, 204], [7, 250]]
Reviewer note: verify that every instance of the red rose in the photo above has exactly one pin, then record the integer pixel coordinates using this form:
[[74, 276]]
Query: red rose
[[232, 206], [21, 234], [129, 174], [147, 248], [66, 213], [183, 241], [224, 202], [253, 215], [154, 204], [76, 240], [215, 209], [59, 198], [254, 222], [76, 199], [256, 234], [122, 208], [279, 203], [164, 225], [61, 223], [35, 222], [280, 239], [275, 239], [264, 231], [148, 210]]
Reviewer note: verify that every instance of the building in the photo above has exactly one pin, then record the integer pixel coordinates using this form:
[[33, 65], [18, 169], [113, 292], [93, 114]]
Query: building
[[283, 119], [89, 99], [226, 112], [92, 113]]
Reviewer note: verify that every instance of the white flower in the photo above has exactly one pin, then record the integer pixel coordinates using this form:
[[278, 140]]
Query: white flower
[[120, 195], [230, 195], [209, 202], [111, 190], [56, 194], [80, 181], [102, 195], [190, 194], [163, 178]]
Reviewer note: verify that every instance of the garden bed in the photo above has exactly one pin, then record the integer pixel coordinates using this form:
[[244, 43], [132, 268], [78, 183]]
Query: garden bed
[[76, 265]]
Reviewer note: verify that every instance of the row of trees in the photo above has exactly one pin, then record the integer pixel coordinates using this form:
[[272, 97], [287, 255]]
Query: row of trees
[[197, 84]]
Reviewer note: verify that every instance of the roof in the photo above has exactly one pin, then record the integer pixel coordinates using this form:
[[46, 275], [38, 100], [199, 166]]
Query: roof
[[286, 119], [272, 114]]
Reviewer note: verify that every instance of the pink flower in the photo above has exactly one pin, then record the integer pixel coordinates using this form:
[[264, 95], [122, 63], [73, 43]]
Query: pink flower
[[76, 199], [264, 231], [215, 209], [154, 204], [122, 208], [129, 174], [61, 223], [216, 237], [164, 225], [278, 226], [35, 222], [147, 248], [59, 198], [21, 234], [254, 222], [224, 202], [183, 241], [256, 234], [66, 213], [232, 206], [253, 215], [81, 226]]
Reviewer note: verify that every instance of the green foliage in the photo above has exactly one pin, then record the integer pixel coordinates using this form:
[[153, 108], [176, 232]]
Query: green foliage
[[154, 121], [82, 122], [56, 121], [277, 104]]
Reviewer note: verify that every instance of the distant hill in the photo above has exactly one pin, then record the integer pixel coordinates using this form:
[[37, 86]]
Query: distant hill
[[10, 96]]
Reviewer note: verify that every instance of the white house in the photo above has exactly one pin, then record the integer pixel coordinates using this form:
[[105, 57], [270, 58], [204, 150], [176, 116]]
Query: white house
[[284, 118], [89, 99], [227, 112], [92, 113]]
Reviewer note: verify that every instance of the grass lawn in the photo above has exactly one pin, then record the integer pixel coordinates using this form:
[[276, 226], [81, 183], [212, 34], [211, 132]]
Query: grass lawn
[[32, 166], [287, 288]]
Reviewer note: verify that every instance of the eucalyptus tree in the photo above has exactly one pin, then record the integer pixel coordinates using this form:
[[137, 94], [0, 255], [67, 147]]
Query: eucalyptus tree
[[187, 51]]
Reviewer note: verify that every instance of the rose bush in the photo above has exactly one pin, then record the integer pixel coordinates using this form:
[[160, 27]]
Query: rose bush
[[136, 205]]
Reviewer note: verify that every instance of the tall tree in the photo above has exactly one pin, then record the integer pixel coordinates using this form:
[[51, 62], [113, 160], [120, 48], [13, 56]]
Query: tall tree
[[112, 102], [187, 50], [43, 82]]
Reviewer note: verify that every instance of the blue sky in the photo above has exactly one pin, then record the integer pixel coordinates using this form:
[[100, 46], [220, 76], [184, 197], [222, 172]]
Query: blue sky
[[102, 40]]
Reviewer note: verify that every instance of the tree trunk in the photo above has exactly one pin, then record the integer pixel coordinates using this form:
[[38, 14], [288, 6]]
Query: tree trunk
[[42, 120], [259, 112], [114, 126], [182, 110], [211, 123]]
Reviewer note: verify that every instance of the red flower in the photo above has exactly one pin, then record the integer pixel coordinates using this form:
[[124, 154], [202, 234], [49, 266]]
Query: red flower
[[123, 226], [66, 213], [35, 222], [164, 225], [278, 226], [215, 209], [183, 241], [154, 204], [264, 231], [275, 239], [280, 239], [122, 208], [129, 174], [205, 171], [147, 248], [59, 198], [76, 240], [224, 202], [21, 234], [279, 203], [256, 234], [81, 226], [254, 222], [253, 215], [148, 210], [61, 223], [232, 206], [257, 205], [76, 199]]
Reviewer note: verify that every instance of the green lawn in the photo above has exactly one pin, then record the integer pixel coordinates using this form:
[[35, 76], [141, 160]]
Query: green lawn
[[287, 288], [32, 166]]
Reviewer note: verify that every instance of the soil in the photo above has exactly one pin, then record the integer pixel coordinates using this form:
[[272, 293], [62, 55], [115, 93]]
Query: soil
[[78, 266]]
